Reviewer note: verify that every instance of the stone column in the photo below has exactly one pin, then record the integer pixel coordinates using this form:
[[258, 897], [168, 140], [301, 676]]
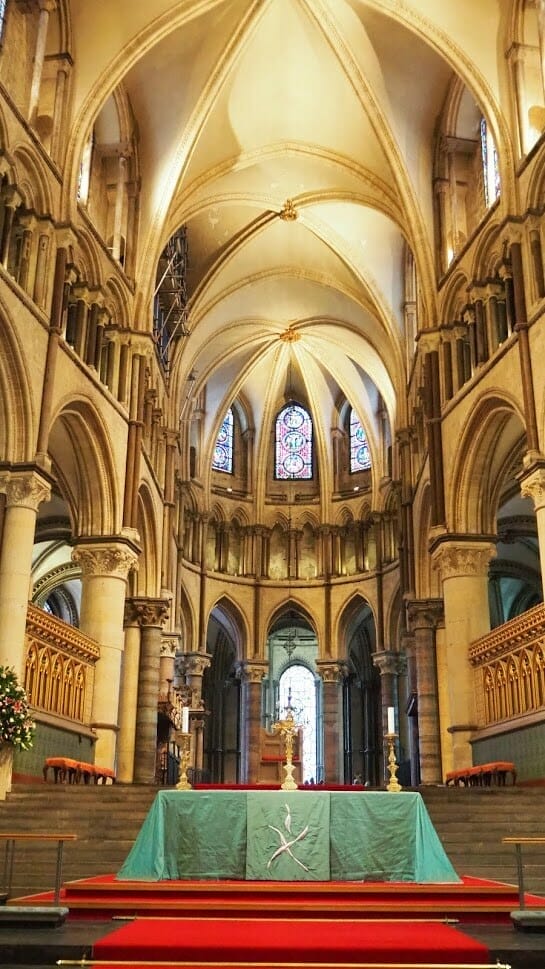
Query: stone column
[[46, 7], [11, 200], [24, 491], [463, 568], [128, 696], [532, 485], [118, 210], [387, 665], [332, 674], [104, 570], [423, 616], [195, 665], [151, 614], [251, 674], [409, 647]]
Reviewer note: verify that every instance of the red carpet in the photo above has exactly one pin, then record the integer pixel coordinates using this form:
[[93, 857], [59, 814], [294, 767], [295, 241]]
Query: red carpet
[[288, 942]]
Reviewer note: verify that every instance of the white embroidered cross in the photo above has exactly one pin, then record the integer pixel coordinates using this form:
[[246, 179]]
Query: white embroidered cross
[[285, 843]]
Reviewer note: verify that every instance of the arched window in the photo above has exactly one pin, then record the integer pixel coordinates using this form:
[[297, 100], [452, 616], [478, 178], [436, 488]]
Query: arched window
[[491, 174], [223, 451], [360, 457], [293, 443], [297, 688], [2, 16]]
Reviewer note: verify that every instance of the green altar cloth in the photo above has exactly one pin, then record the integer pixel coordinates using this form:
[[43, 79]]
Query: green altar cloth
[[288, 836]]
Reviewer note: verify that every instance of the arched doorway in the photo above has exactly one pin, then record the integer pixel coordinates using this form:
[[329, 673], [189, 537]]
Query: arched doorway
[[221, 700], [362, 719]]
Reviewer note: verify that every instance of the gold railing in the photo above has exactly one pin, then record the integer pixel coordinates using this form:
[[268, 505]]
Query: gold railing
[[60, 666], [509, 668]]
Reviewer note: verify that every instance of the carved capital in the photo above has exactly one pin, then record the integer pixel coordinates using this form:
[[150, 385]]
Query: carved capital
[[386, 662], [25, 489], [192, 664], [331, 672], [463, 559], [532, 485], [149, 611], [251, 672], [424, 613], [113, 559]]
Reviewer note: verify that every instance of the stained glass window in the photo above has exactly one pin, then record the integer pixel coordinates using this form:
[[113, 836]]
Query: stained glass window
[[293, 443], [491, 172], [2, 16], [360, 457], [223, 451]]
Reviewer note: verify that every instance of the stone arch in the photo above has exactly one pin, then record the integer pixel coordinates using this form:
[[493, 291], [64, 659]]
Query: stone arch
[[226, 615], [147, 577], [17, 429], [484, 459], [31, 180], [82, 458]]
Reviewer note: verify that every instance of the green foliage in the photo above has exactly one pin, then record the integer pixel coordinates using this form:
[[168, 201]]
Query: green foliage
[[16, 723]]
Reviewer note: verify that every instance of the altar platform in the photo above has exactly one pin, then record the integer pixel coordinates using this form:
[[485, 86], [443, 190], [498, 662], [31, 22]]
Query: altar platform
[[275, 835]]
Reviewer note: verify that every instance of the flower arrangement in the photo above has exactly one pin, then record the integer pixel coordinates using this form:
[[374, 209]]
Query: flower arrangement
[[16, 723]]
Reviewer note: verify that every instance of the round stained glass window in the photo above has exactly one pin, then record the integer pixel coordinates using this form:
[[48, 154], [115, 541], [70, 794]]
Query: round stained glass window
[[293, 464], [294, 440], [221, 457], [293, 417]]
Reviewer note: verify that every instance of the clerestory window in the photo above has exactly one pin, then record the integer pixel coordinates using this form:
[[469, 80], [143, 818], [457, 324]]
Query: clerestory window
[[293, 443]]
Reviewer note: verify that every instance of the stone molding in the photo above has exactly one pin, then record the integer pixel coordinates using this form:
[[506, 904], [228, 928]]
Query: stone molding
[[332, 672], [252, 672]]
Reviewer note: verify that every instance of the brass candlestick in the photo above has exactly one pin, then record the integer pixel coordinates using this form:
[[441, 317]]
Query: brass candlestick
[[393, 784], [287, 728], [183, 739]]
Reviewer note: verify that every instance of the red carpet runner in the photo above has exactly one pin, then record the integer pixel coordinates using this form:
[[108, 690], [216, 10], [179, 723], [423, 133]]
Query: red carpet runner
[[282, 941]]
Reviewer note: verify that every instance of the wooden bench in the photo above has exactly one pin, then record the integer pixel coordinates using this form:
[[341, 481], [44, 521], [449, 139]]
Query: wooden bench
[[74, 771], [483, 775]]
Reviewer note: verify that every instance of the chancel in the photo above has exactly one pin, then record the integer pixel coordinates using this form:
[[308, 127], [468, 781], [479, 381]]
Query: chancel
[[272, 441]]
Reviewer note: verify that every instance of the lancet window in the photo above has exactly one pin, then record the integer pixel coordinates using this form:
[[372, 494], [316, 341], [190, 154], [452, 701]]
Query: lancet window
[[360, 456], [293, 443], [223, 451]]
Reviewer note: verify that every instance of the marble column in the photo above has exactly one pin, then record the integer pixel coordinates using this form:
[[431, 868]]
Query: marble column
[[463, 569], [251, 675], [128, 696], [25, 491], [332, 674], [532, 485], [423, 617], [387, 665], [151, 614], [409, 647], [104, 570]]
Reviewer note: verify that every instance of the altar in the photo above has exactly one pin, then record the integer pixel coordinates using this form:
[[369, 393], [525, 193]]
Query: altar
[[288, 836]]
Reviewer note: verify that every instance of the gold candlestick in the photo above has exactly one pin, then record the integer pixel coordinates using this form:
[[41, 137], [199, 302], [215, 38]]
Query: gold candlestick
[[393, 784], [183, 740], [287, 728]]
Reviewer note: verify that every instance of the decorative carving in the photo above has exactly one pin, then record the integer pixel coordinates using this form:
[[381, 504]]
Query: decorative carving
[[424, 613], [149, 611], [386, 662], [515, 634], [332, 672], [25, 490], [48, 629], [252, 672], [532, 486], [454, 561], [112, 559], [289, 212]]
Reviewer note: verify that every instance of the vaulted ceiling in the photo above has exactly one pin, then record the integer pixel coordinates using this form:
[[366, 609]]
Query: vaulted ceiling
[[252, 111]]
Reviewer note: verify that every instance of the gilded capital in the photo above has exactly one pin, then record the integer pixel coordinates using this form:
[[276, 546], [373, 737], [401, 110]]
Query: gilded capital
[[465, 559], [25, 489], [108, 560]]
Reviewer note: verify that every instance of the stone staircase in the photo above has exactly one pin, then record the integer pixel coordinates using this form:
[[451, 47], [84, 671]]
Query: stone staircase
[[106, 820]]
